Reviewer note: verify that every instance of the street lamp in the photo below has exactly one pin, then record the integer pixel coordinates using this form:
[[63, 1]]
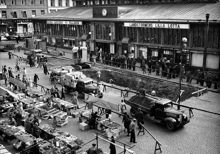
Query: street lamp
[[183, 47]]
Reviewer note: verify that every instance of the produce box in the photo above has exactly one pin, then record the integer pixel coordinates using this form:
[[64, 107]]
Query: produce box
[[83, 126]]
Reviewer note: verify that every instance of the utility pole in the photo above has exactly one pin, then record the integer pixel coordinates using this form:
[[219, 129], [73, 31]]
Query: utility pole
[[183, 47], [206, 41]]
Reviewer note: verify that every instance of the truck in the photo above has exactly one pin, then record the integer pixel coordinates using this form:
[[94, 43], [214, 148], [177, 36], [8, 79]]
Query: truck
[[58, 72], [77, 81], [159, 109]]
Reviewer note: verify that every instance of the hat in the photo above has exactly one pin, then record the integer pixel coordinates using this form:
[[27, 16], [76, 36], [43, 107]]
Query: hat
[[134, 119], [94, 144]]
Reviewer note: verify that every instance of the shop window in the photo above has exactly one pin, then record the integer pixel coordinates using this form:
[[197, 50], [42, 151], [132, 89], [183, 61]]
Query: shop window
[[212, 61], [197, 59], [24, 14], [33, 13], [4, 14]]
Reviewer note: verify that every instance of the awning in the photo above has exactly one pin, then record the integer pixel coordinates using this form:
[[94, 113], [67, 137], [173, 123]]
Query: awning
[[125, 40], [84, 37]]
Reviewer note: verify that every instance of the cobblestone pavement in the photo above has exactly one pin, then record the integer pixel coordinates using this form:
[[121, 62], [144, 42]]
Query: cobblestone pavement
[[200, 136]]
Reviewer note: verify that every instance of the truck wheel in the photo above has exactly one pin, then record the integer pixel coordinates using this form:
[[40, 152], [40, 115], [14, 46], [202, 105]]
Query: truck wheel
[[170, 125]]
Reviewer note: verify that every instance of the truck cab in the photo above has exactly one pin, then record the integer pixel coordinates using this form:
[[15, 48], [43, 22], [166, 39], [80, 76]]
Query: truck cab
[[86, 85], [69, 80], [160, 109]]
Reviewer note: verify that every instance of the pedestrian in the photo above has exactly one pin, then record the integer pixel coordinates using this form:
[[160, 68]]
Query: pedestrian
[[126, 120], [36, 78], [75, 100], [10, 74], [4, 69], [143, 66], [63, 93], [17, 65], [45, 69], [54, 124], [112, 146], [132, 129], [24, 72], [93, 120], [9, 54], [149, 66], [98, 75], [122, 107], [140, 121], [133, 63]]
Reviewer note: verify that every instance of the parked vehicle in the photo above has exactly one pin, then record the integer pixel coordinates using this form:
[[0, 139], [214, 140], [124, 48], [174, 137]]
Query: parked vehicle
[[80, 66], [77, 81], [58, 72], [159, 109]]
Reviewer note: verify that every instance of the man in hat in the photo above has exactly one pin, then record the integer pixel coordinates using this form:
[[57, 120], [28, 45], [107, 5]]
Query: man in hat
[[132, 130]]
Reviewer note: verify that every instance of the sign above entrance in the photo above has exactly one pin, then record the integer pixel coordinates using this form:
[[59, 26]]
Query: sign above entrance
[[157, 25], [105, 12], [65, 22]]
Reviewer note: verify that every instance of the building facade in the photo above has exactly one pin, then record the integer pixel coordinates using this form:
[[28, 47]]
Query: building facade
[[55, 5], [15, 15], [153, 31]]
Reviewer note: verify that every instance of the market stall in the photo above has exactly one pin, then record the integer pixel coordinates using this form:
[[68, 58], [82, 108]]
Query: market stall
[[65, 105], [110, 128]]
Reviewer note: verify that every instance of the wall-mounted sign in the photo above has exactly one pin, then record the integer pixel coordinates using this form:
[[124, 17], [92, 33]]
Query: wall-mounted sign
[[65, 22], [105, 12], [157, 25]]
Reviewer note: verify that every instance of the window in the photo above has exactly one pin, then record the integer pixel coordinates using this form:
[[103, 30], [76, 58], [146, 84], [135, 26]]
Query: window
[[24, 14], [96, 2], [67, 3], [23, 2], [32, 2], [4, 14], [41, 1], [3, 2], [113, 2], [42, 11], [33, 13], [13, 2], [60, 3], [52, 2], [14, 14], [103, 31]]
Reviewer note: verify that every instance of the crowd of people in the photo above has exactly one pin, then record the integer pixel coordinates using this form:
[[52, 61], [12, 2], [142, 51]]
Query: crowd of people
[[164, 67]]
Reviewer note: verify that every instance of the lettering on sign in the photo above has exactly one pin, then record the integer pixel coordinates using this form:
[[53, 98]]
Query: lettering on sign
[[65, 22], [157, 25]]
